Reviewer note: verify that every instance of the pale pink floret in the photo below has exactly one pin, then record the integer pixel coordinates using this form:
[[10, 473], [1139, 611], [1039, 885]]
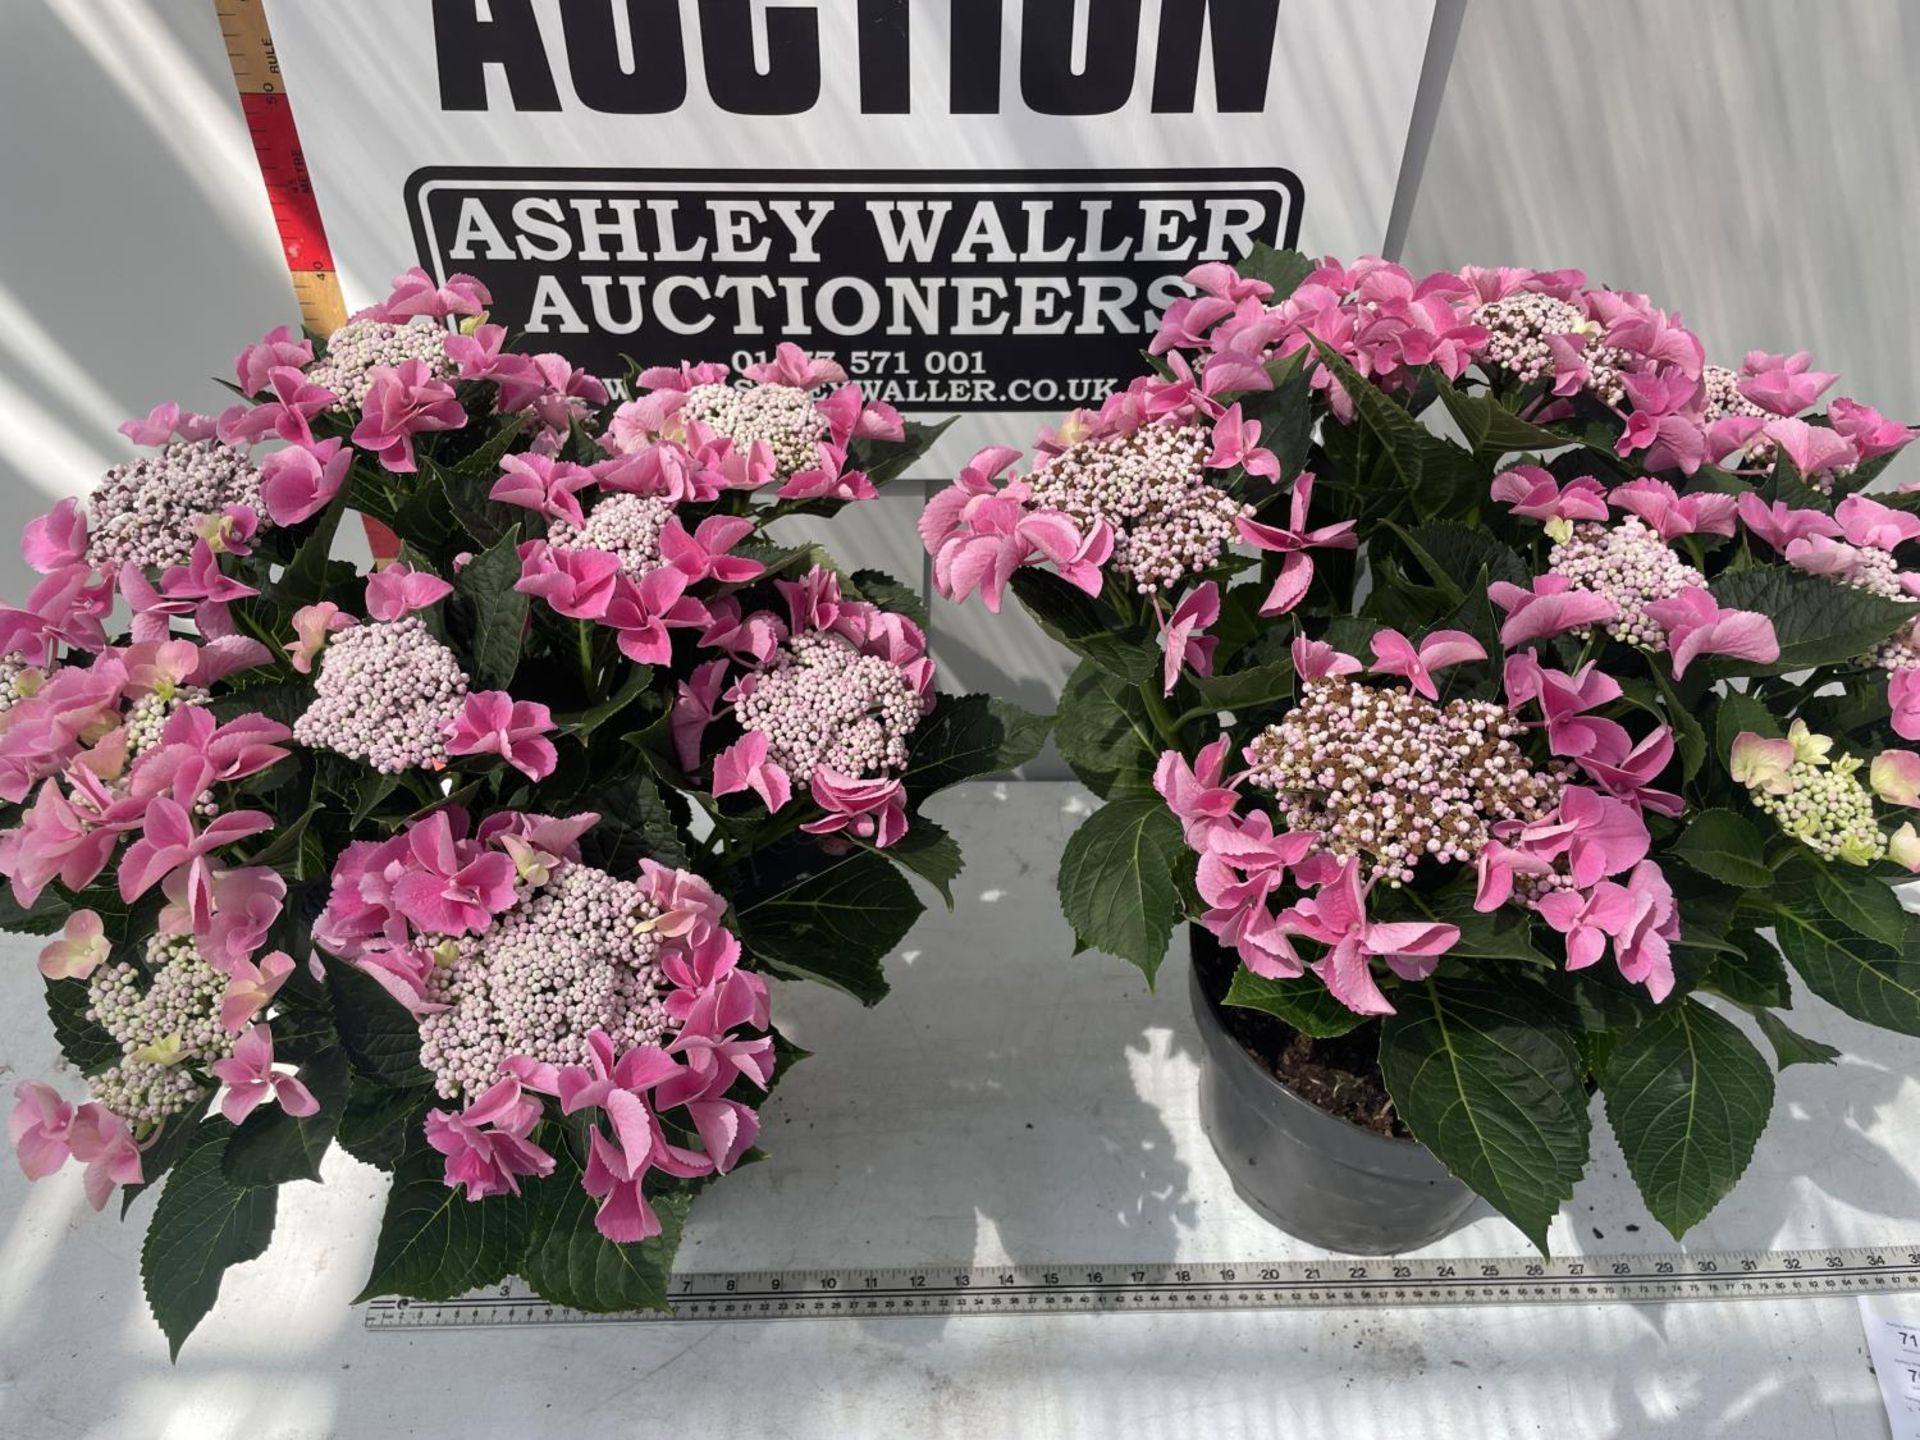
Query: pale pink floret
[[1317, 660], [578, 584], [873, 810], [1335, 916], [41, 1129], [706, 553], [1197, 793], [544, 485], [1903, 847], [168, 842], [1672, 514], [1290, 586], [1867, 522], [1552, 607], [1903, 694], [980, 533], [1813, 449], [313, 625], [1638, 917], [1236, 441], [255, 364], [1762, 764], [793, 366], [617, 1167], [288, 414], [1564, 701], [417, 294], [1895, 777], [1696, 626], [103, 1143], [1642, 947], [252, 1081], [228, 912], [57, 540], [165, 423], [1780, 524], [486, 1144], [395, 591], [451, 886], [1532, 492], [643, 612], [301, 480], [46, 1132], [492, 722], [1784, 384], [82, 947], [1185, 640], [1868, 431], [745, 765], [1394, 654], [251, 988], [1242, 864], [695, 705], [710, 1065], [404, 401]]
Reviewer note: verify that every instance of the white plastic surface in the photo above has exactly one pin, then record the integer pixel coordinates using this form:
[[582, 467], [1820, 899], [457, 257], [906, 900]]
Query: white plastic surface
[[1009, 1100]]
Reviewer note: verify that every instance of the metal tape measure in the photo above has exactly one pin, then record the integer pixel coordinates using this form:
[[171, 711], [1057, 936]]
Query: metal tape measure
[[1334, 1284]]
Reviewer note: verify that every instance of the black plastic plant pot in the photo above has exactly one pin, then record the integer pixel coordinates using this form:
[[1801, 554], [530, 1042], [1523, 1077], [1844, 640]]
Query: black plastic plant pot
[[1316, 1176]]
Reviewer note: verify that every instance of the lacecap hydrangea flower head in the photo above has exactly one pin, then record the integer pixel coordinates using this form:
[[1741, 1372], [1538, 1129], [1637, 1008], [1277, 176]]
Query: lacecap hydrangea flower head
[[1490, 670], [407, 859]]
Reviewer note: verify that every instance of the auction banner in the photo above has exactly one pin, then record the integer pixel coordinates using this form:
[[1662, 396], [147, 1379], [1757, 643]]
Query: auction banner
[[978, 207]]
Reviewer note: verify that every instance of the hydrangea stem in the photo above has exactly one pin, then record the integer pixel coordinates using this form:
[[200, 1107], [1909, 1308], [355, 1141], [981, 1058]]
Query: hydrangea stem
[[1157, 711], [589, 671]]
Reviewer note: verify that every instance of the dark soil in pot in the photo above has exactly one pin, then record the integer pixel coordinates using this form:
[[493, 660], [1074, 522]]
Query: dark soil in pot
[[1340, 1076]]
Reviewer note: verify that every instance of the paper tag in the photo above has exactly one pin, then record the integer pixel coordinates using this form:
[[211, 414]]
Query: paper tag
[[1893, 1339]]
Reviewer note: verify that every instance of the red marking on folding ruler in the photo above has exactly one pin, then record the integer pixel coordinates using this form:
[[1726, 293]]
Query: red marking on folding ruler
[[289, 187], [283, 165]]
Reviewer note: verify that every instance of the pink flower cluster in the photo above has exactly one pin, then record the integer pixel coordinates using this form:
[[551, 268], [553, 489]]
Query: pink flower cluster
[[695, 435], [392, 369], [1128, 489], [616, 551], [118, 765], [405, 909], [826, 696], [1384, 796], [1538, 328], [1625, 577]]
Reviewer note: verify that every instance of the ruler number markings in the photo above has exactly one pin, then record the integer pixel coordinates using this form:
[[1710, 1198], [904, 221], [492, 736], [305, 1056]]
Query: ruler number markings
[[1055, 1289]]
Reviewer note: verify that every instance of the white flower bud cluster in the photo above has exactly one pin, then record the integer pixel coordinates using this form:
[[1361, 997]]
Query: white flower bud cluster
[[384, 692], [148, 715], [782, 415], [18, 681], [1828, 810], [174, 1019], [1518, 328], [1633, 567], [1724, 401], [1901, 651], [821, 702], [1388, 776], [145, 510], [1723, 398], [575, 955], [625, 525], [360, 347], [1151, 487]]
